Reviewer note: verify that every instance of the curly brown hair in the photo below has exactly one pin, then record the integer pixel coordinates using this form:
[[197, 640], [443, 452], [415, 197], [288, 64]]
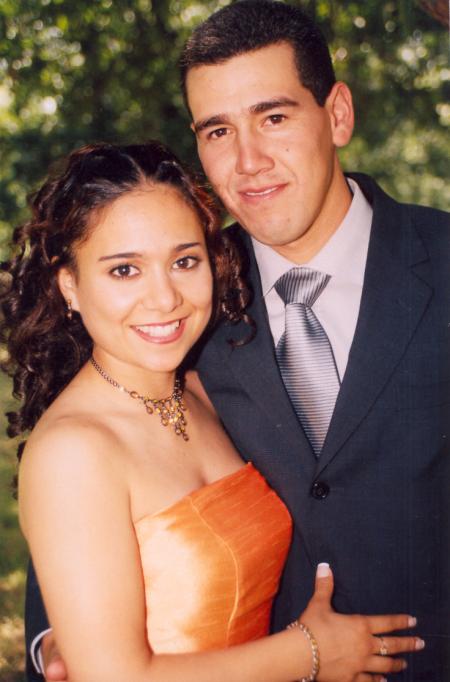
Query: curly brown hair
[[45, 348]]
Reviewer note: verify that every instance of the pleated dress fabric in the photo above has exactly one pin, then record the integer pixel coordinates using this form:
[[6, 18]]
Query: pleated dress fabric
[[212, 563]]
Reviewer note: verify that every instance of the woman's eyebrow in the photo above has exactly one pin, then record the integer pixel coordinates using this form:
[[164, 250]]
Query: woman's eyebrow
[[135, 254], [126, 254], [187, 245]]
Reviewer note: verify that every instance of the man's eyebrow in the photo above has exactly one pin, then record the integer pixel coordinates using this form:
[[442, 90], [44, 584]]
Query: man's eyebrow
[[216, 120], [258, 108], [274, 103]]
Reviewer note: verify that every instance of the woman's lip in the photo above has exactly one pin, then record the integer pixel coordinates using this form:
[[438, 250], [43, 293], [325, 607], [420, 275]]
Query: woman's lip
[[154, 337]]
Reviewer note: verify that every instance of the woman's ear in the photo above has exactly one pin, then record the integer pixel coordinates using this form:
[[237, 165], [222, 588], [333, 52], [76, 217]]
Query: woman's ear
[[339, 105], [68, 286]]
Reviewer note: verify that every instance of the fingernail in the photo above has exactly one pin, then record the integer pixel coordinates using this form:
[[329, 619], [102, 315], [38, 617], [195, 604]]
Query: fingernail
[[323, 570], [412, 621], [420, 644], [383, 679]]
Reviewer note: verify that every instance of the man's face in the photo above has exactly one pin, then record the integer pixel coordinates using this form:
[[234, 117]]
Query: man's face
[[269, 149]]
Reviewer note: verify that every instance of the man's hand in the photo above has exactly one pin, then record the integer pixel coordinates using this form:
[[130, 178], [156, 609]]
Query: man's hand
[[54, 667]]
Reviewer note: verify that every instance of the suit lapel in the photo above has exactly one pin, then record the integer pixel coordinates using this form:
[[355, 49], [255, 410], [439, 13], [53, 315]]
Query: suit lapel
[[254, 366], [393, 302]]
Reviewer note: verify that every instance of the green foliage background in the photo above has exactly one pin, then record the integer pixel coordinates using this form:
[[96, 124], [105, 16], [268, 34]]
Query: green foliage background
[[77, 71]]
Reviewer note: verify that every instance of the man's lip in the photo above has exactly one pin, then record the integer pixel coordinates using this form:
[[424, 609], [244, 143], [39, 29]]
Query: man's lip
[[160, 332], [257, 193]]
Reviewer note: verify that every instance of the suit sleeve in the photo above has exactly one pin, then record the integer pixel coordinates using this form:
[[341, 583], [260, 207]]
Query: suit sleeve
[[35, 622]]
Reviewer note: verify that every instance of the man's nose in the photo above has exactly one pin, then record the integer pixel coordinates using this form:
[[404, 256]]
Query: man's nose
[[251, 155]]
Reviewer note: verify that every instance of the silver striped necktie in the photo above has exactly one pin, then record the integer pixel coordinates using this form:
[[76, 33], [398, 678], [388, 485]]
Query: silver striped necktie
[[304, 354]]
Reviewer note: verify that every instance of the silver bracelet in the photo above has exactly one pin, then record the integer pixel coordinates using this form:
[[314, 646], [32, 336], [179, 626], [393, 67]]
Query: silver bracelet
[[314, 650]]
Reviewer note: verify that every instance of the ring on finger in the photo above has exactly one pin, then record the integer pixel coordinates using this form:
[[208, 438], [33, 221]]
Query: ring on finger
[[383, 647]]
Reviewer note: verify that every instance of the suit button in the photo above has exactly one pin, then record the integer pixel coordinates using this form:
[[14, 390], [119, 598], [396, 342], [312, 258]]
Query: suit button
[[320, 490]]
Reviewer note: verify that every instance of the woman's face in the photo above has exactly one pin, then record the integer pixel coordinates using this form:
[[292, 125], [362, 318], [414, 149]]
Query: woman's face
[[143, 285]]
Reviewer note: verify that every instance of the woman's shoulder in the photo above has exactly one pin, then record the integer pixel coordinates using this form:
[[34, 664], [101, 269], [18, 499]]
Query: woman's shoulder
[[70, 443], [64, 461], [72, 476], [74, 424]]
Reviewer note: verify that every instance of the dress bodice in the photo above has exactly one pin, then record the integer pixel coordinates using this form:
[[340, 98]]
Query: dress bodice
[[212, 562]]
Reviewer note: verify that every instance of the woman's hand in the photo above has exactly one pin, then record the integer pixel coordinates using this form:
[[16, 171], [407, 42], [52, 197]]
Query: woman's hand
[[348, 645]]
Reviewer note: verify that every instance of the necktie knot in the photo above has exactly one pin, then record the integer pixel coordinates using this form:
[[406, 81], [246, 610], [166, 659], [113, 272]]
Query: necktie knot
[[301, 285]]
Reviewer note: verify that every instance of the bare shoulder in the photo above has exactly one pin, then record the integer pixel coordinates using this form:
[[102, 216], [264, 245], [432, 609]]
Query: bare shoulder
[[66, 432], [195, 386], [69, 463], [66, 446]]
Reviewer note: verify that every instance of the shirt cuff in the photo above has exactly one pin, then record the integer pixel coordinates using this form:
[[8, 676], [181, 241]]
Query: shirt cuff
[[36, 653]]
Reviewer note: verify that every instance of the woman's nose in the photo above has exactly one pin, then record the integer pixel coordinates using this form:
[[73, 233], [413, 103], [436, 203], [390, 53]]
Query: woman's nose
[[161, 293]]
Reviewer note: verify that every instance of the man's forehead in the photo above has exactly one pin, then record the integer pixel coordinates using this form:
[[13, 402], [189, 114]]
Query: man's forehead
[[243, 81], [260, 56]]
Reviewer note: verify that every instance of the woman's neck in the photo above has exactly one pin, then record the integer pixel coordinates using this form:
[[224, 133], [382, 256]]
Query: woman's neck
[[131, 377]]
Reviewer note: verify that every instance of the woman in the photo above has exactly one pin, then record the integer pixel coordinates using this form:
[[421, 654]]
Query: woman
[[149, 535]]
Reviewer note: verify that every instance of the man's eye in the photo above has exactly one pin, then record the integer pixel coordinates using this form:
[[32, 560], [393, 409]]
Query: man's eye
[[276, 118], [185, 263], [123, 271], [218, 132]]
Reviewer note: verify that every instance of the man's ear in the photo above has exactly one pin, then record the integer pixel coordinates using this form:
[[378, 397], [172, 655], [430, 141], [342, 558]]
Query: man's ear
[[68, 286], [339, 105]]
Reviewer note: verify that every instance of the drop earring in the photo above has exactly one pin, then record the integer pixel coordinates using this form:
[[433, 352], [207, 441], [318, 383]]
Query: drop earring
[[69, 312]]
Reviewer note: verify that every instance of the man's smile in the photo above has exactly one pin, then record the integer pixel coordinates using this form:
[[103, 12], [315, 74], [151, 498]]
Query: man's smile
[[261, 193]]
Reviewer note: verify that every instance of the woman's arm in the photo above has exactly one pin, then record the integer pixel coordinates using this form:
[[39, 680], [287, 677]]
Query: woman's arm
[[75, 512]]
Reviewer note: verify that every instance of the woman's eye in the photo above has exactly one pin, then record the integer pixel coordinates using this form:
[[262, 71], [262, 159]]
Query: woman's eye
[[124, 271], [185, 263]]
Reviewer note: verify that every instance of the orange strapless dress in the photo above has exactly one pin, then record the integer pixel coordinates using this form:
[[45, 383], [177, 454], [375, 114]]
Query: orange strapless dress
[[212, 563]]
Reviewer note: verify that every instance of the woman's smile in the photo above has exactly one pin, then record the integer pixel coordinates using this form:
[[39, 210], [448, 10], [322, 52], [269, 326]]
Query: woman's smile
[[161, 333]]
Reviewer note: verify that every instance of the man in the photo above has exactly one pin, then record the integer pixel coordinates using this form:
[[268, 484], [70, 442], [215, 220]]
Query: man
[[341, 399]]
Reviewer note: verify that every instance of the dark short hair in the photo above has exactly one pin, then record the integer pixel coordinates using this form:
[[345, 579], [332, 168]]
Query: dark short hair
[[249, 25]]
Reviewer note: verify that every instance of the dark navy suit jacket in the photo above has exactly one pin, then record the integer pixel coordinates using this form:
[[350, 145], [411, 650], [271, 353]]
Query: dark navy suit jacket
[[376, 504]]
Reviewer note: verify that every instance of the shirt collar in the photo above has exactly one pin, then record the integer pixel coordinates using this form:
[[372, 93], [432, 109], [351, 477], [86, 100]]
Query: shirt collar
[[343, 256]]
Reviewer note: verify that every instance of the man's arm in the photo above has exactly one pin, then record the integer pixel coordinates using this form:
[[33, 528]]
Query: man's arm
[[36, 622]]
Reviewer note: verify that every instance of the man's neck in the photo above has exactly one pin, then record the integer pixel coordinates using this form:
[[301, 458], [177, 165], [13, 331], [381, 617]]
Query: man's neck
[[331, 216]]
